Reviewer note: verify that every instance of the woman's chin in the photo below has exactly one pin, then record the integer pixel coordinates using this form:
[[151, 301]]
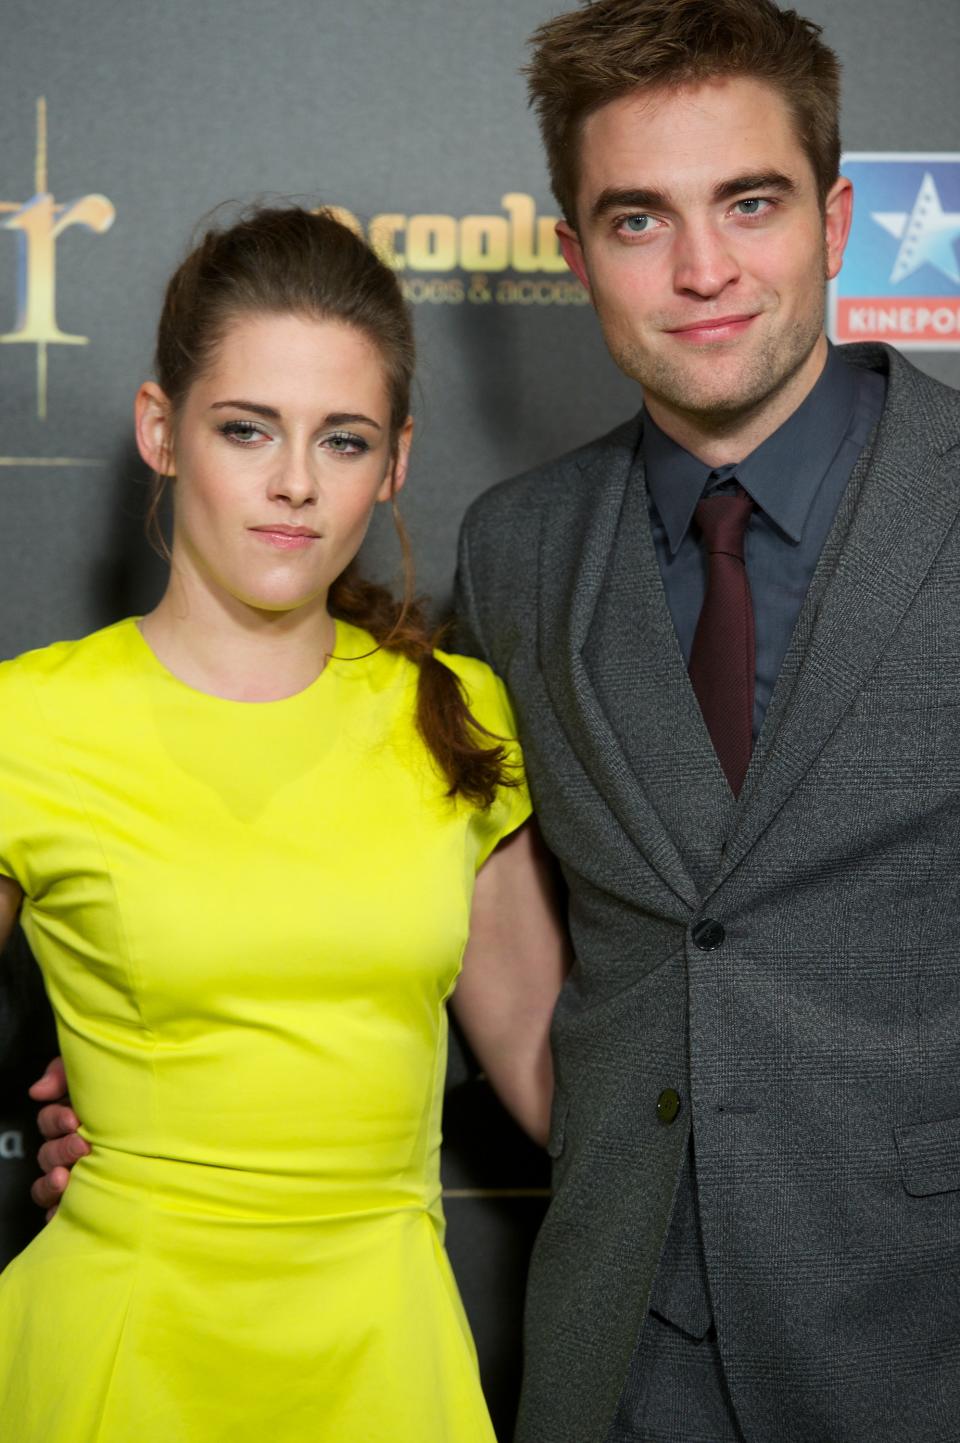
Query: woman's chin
[[282, 601]]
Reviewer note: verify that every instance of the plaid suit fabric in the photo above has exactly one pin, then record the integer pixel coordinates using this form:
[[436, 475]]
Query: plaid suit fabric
[[676, 1393], [817, 1051]]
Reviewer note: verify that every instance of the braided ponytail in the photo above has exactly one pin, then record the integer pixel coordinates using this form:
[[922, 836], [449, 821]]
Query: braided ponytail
[[450, 732]]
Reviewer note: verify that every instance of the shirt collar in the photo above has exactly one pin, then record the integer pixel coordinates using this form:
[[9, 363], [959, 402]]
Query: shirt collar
[[782, 475]]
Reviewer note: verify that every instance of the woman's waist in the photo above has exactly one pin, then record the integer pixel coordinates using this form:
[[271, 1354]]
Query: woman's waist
[[321, 1184]]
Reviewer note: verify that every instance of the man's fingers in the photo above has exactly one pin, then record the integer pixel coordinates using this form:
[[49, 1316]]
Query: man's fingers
[[57, 1120], [52, 1084], [62, 1153], [46, 1191]]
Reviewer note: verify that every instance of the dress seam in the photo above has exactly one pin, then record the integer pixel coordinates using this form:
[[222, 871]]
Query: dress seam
[[135, 1285], [121, 928]]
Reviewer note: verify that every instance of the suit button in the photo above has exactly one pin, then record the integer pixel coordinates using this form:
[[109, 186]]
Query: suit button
[[668, 1105], [708, 934]]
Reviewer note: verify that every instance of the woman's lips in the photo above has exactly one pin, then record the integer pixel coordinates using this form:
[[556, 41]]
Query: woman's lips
[[286, 538]]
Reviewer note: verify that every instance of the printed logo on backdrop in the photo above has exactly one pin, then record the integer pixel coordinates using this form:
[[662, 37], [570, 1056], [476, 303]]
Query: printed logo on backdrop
[[508, 258], [37, 224], [11, 1145], [900, 280]]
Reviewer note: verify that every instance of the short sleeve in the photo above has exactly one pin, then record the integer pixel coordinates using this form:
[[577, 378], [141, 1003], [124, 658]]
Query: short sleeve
[[490, 705], [18, 738]]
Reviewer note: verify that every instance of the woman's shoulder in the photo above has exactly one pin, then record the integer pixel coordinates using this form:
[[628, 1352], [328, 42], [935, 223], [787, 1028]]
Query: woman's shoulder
[[393, 673], [65, 664], [486, 694]]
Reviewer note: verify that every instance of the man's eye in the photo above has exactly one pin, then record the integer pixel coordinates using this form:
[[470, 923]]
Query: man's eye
[[636, 224], [242, 431], [753, 205]]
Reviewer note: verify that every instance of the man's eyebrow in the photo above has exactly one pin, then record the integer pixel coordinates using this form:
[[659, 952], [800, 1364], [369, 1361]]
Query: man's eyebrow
[[270, 413], [754, 181], [630, 198], [642, 198]]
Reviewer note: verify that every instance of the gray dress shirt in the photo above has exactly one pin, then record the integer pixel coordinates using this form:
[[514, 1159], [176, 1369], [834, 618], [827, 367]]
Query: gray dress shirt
[[796, 478]]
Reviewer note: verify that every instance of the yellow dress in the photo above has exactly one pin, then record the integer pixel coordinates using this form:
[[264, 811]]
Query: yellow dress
[[249, 917]]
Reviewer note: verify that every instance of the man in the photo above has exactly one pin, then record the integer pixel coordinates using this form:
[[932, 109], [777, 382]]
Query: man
[[749, 775], [730, 632]]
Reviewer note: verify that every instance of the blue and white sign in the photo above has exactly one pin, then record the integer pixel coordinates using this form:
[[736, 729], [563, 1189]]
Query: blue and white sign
[[900, 280]]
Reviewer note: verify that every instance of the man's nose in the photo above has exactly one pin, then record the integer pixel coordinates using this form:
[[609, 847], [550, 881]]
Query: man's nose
[[704, 262]]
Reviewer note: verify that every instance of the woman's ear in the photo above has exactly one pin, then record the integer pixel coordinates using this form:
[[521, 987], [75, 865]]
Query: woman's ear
[[397, 470], [154, 427]]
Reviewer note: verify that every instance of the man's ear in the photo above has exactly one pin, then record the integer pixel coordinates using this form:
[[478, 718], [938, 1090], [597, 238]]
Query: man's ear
[[572, 252], [837, 218], [154, 428]]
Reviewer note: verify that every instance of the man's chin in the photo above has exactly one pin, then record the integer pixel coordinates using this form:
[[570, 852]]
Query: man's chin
[[708, 400], [718, 389]]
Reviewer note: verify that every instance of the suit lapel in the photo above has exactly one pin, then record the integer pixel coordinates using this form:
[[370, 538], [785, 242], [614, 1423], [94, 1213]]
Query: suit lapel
[[634, 662], [883, 542], [577, 545]]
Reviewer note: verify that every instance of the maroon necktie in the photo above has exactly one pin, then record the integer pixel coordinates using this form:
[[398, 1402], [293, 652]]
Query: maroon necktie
[[722, 659]]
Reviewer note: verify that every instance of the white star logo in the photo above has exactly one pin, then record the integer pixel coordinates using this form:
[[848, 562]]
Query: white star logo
[[927, 235]]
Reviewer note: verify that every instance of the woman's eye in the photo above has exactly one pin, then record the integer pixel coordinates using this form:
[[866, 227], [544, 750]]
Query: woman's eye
[[346, 444], [242, 431]]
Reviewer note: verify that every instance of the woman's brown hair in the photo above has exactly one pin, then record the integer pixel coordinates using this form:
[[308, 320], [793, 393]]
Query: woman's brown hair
[[284, 261]]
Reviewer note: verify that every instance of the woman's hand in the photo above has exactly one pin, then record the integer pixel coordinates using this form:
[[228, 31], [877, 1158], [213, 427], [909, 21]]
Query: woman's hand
[[515, 961], [58, 1123]]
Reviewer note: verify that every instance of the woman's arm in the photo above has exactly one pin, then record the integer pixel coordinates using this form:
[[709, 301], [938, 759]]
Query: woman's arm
[[10, 898], [516, 959], [57, 1122]]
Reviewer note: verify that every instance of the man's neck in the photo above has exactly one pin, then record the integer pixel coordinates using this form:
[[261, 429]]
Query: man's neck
[[724, 438]]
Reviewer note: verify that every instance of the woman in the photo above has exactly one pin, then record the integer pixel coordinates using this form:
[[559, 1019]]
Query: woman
[[244, 832]]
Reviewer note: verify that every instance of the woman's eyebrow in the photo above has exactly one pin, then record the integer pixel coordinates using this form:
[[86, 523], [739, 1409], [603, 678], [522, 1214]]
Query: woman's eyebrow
[[270, 413]]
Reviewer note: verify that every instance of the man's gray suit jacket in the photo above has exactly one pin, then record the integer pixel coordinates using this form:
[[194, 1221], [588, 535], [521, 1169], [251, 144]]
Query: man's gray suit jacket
[[816, 1049]]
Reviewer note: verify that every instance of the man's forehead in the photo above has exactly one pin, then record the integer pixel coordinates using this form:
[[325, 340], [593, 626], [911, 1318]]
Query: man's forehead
[[714, 125]]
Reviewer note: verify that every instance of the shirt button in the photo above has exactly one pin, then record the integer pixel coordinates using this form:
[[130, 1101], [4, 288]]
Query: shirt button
[[668, 1105], [708, 934]]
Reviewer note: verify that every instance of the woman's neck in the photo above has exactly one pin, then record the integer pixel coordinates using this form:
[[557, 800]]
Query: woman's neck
[[226, 648]]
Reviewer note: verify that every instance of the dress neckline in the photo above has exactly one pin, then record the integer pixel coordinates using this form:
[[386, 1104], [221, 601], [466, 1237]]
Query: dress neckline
[[161, 670]]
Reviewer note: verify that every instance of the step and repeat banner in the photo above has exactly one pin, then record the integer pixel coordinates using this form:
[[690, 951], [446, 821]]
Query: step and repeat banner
[[123, 125]]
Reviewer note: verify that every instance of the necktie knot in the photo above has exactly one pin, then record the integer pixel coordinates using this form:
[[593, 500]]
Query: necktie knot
[[723, 522]]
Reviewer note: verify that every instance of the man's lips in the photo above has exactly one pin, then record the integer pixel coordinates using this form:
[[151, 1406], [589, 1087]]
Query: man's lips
[[287, 538], [713, 328]]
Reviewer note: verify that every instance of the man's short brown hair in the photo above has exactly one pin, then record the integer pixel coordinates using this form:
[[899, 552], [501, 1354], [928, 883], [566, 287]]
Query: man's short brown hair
[[588, 57]]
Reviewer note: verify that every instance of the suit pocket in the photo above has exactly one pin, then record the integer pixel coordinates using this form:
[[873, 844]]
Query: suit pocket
[[930, 1156]]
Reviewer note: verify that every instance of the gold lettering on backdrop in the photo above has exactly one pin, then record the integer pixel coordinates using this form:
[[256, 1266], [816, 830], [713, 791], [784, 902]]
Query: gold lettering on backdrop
[[533, 242], [384, 230], [38, 224], [432, 244], [484, 243], [345, 217]]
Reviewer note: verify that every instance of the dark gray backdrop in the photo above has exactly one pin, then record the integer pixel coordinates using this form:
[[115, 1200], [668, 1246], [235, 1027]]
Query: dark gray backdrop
[[414, 109]]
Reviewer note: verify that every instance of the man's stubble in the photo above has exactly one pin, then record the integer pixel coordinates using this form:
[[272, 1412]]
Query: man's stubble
[[675, 387]]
